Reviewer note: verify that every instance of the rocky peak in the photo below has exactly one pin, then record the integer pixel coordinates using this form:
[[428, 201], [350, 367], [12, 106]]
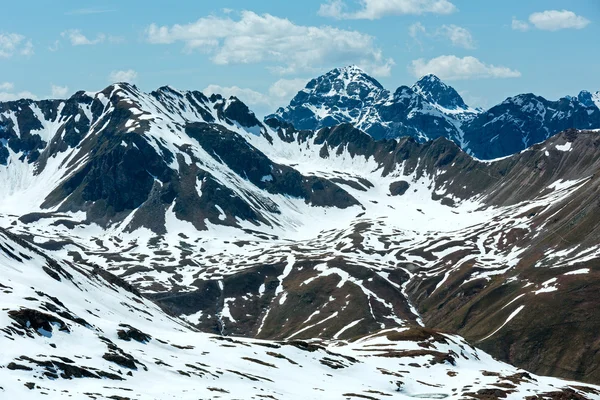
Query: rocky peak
[[589, 99], [236, 110], [350, 81], [523, 100], [437, 92]]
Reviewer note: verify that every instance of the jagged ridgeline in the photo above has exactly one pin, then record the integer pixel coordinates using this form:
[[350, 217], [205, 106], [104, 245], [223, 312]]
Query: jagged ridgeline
[[269, 230], [430, 109]]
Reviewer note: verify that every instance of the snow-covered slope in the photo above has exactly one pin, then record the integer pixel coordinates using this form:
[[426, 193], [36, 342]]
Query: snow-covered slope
[[68, 331], [430, 109], [257, 230]]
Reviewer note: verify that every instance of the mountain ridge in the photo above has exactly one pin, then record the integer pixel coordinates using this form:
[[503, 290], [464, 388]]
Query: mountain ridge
[[430, 108]]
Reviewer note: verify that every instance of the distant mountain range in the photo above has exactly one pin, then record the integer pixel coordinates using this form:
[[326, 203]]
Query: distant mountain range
[[430, 109]]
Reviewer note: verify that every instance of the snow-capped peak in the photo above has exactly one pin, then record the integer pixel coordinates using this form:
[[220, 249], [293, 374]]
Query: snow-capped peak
[[437, 92], [350, 81]]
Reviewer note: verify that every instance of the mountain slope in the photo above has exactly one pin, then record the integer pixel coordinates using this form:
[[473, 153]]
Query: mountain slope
[[262, 230], [69, 331], [430, 109], [524, 120], [159, 149]]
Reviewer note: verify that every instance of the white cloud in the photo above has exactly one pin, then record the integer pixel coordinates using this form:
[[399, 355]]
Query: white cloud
[[123, 76], [284, 46], [10, 96], [59, 92], [474, 100], [416, 29], [375, 9], [279, 94], [519, 25], [7, 93], [333, 9], [54, 46], [282, 91], [553, 20], [14, 43], [248, 96], [27, 49], [459, 36], [79, 39], [455, 68]]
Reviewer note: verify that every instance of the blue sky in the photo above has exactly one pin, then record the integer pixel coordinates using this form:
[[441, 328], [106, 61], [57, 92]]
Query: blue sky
[[264, 51]]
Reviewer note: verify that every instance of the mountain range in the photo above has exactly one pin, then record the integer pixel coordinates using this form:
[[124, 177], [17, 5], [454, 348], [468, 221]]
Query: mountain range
[[370, 262], [430, 109]]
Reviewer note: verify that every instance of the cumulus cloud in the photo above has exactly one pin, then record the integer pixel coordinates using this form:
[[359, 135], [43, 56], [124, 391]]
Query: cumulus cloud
[[458, 36], [333, 9], [416, 29], [375, 9], [7, 93], [554, 20], [59, 92], [129, 76], [13, 43], [7, 86], [248, 96], [519, 25], [278, 95], [284, 46], [284, 90], [79, 39], [451, 67]]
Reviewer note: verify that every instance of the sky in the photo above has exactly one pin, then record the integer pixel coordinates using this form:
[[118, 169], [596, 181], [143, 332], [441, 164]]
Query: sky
[[265, 51]]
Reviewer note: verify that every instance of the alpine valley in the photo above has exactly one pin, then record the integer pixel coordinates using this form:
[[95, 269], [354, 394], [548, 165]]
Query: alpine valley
[[356, 244]]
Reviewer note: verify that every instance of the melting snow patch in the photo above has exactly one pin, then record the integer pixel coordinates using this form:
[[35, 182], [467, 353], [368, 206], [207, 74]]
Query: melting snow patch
[[222, 215], [564, 147], [511, 316], [226, 313], [192, 318], [581, 271], [548, 286]]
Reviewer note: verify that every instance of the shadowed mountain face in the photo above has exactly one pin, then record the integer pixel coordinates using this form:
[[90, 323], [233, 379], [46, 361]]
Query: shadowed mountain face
[[430, 109], [268, 231]]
